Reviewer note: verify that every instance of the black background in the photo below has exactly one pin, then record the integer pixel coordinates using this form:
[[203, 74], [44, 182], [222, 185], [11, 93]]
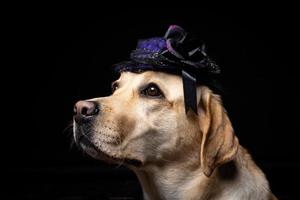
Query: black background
[[56, 55]]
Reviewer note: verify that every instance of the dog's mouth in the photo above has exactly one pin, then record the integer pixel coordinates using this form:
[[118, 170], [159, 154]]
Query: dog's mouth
[[84, 142]]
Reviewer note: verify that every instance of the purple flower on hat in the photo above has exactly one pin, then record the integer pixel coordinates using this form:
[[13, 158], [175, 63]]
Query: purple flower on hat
[[152, 44]]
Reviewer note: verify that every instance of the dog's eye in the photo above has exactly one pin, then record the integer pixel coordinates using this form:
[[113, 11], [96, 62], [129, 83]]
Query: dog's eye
[[152, 90], [114, 87]]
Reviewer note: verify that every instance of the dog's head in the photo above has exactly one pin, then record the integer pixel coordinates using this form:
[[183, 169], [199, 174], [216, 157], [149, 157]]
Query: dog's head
[[144, 123]]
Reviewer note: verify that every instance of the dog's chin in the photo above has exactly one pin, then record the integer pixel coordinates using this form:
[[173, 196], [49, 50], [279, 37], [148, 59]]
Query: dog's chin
[[85, 143], [89, 148]]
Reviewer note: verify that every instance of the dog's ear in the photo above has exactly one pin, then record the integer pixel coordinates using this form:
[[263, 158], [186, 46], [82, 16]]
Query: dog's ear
[[219, 144]]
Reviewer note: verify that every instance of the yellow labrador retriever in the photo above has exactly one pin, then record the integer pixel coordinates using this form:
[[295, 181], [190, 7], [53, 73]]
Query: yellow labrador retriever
[[175, 155]]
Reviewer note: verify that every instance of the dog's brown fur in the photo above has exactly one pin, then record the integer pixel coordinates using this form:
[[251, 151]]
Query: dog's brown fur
[[180, 156]]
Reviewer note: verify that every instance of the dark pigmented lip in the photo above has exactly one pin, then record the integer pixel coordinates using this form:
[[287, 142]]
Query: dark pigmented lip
[[82, 120], [133, 162]]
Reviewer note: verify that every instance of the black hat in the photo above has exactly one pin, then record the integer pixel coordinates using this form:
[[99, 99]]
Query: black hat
[[175, 53]]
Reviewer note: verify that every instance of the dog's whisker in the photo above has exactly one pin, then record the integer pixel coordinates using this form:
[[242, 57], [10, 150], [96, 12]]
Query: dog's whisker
[[72, 144], [69, 128], [69, 132]]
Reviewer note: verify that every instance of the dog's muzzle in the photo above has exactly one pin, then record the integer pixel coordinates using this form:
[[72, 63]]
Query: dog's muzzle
[[84, 113]]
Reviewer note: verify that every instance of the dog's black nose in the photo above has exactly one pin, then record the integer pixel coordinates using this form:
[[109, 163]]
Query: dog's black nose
[[84, 110]]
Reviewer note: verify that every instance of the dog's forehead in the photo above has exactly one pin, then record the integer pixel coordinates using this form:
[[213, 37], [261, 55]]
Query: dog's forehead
[[170, 84]]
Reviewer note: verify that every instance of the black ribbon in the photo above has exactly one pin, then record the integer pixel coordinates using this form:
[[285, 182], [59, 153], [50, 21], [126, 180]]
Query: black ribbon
[[190, 91]]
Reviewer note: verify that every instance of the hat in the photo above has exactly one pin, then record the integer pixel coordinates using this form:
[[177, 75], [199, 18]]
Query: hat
[[175, 53]]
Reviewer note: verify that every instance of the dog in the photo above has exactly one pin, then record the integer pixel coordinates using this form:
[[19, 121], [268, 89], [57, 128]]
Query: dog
[[175, 155]]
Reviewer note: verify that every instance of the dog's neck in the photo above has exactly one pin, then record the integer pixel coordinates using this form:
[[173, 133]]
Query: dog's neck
[[168, 182], [187, 181], [172, 179]]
